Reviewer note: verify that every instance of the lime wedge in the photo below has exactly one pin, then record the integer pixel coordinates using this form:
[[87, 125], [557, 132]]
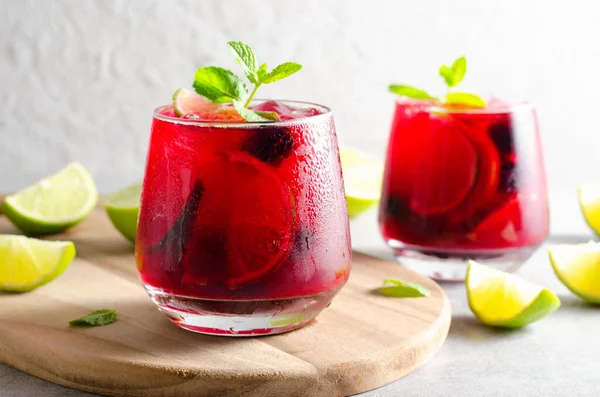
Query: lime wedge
[[362, 180], [578, 267], [505, 300], [55, 203], [188, 103], [27, 263], [185, 102], [123, 208], [589, 202]]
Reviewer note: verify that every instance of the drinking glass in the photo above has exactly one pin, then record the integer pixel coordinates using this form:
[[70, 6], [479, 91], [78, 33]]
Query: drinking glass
[[463, 184], [243, 227]]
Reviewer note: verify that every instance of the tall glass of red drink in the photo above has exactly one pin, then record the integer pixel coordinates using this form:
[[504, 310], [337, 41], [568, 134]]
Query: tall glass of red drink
[[243, 226], [463, 183]]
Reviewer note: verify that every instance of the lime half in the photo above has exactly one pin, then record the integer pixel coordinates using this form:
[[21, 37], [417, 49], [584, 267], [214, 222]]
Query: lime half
[[123, 208], [578, 267], [589, 202], [505, 300], [55, 203], [362, 180], [27, 263]]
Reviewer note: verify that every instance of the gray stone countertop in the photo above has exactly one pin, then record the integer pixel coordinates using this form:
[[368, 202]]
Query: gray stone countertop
[[558, 356]]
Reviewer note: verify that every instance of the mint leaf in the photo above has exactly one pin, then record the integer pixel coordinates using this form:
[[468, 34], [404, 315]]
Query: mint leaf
[[454, 74], [97, 318], [409, 92], [459, 69], [466, 99], [254, 115], [244, 55], [446, 73], [267, 115], [281, 72], [402, 289], [262, 72], [219, 85]]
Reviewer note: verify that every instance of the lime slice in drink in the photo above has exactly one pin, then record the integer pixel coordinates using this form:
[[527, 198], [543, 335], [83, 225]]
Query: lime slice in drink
[[578, 267], [445, 173], [589, 202], [188, 103], [27, 263], [234, 234], [123, 208], [55, 203], [362, 180], [505, 300]]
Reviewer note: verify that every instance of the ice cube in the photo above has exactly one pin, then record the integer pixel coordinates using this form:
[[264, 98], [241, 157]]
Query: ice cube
[[286, 112]]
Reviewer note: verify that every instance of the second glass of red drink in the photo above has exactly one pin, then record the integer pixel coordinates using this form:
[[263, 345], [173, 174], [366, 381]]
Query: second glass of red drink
[[463, 180]]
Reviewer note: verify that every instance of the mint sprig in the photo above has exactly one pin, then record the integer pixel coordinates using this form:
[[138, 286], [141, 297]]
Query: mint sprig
[[97, 318], [402, 289], [453, 75], [223, 86]]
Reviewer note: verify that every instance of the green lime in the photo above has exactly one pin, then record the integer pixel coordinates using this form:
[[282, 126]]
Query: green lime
[[505, 300], [55, 203], [362, 180], [27, 263], [123, 208], [184, 102], [578, 267], [589, 202]]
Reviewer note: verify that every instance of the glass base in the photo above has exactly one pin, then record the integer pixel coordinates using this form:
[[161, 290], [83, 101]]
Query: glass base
[[239, 318], [451, 265]]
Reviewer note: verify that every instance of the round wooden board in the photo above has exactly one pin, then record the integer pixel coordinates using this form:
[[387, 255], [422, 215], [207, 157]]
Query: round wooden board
[[362, 341]]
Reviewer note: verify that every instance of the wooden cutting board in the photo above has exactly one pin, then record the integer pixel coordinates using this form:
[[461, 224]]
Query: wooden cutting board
[[362, 341]]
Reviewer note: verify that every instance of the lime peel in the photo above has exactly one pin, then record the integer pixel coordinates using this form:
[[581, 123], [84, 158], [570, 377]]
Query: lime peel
[[505, 300]]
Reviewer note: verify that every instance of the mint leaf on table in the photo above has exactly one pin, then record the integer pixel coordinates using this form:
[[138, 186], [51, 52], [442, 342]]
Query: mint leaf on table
[[281, 72], [409, 92], [244, 55], [219, 85], [97, 318], [402, 289], [254, 115], [466, 99], [454, 74]]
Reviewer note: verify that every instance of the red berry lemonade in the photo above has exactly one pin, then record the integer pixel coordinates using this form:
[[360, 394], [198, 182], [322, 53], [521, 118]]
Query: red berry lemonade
[[243, 221], [464, 183]]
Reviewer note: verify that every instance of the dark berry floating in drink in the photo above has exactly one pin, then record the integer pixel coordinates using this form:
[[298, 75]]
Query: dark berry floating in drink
[[235, 235]]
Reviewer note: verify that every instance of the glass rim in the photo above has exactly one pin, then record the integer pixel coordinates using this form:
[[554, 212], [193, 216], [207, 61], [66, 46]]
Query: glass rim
[[509, 107], [325, 111]]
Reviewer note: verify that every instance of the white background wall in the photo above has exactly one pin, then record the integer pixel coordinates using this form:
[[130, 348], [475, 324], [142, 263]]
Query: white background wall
[[79, 79]]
